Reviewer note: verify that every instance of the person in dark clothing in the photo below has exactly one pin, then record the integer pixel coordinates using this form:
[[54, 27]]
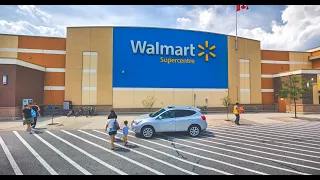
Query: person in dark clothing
[[36, 108], [27, 117], [112, 115]]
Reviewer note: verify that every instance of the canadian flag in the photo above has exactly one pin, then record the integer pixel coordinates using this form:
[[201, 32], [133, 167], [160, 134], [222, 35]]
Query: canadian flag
[[242, 7]]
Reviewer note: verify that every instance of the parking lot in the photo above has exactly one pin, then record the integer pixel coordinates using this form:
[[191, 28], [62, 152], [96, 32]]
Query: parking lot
[[289, 148]]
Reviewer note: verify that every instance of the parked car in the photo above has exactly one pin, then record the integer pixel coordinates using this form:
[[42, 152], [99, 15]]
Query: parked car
[[170, 119]]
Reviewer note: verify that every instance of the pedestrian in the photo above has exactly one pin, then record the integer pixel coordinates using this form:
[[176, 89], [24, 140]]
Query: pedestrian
[[36, 108], [27, 117], [112, 126], [113, 114], [236, 112], [125, 132]]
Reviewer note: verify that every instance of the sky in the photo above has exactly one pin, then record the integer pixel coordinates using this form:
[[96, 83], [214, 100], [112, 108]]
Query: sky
[[292, 27]]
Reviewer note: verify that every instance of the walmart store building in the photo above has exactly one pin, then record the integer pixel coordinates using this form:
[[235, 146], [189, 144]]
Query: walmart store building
[[119, 67]]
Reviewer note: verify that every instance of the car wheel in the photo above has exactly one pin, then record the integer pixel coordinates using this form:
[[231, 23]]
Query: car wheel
[[147, 132], [194, 130]]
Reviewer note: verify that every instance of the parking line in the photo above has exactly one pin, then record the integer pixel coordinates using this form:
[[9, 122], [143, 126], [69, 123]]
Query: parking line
[[290, 132], [210, 159], [88, 154], [76, 165], [265, 139], [114, 153], [13, 163], [265, 143], [159, 160], [262, 164], [274, 134], [260, 152], [312, 132], [306, 160], [174, 157], [40, 159]]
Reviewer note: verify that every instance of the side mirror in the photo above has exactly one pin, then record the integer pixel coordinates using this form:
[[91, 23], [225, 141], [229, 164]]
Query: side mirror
[[160, 117]]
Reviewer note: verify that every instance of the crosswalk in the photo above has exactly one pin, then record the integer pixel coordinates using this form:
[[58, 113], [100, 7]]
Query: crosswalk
[[277, 149]]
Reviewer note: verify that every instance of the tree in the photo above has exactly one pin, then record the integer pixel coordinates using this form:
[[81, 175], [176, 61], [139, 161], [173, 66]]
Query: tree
[[149, 102], [226, 101], [293, 88]]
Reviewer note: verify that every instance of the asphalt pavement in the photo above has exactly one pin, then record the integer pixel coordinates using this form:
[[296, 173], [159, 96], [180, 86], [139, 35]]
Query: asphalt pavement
[[270, 149]]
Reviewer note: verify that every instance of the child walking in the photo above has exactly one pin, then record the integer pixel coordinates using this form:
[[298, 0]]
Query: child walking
[[125, 131]]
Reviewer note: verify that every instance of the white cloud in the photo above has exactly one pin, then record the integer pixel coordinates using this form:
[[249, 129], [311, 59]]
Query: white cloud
[[297, 29], [34, 12], [25, 28]]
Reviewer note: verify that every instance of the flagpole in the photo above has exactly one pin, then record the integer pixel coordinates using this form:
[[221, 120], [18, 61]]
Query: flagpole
[[236, 29]]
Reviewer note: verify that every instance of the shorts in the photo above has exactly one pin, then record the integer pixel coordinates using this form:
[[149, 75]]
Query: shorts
[[28, 120], [112, 133], [124, 138]]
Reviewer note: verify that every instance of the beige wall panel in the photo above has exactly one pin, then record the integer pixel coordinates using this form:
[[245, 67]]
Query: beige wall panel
[[85, 79], [102, 42], [315, 95], [242, 67], [163, 98], [247, 49], [92, 97], [244, 83], [139, 96], [94, 62], [86, 61], [123, 99], [245, 98], [93, 80], [8, 54], [254, 54], [299, 57], [8, 41], [246, 67], [78, 40], [215, 99], [183, 98], [85, 97], [201, 96]]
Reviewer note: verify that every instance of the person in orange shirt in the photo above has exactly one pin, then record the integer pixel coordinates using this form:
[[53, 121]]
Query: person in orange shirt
[[236, 112]]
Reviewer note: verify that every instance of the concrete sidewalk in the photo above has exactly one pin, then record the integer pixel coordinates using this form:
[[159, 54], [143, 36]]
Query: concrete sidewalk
[[98, 122]]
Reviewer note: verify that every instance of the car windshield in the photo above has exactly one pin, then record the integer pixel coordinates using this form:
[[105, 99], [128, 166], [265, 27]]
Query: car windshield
[[157, 113]]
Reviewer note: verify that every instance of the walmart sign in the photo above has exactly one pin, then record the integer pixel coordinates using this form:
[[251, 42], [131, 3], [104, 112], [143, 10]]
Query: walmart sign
[[150, 55]]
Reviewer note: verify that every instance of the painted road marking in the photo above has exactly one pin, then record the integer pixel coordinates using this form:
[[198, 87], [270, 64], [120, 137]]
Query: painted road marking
[[284, 138], [40, 159], [174, 157], [262, 164], [88, 154], [210, 159], [246, 136], [13, 163], [171, 165], [306, 160], [112, 152], [261, 152], [291, 132], [260, 139], [76, 165]]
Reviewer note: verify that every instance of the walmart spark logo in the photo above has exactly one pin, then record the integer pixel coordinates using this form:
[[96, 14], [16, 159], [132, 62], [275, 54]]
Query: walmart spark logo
[[207, 55]]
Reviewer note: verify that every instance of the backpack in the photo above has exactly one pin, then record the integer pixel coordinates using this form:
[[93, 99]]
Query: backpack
[[116, 125], [33, 113]]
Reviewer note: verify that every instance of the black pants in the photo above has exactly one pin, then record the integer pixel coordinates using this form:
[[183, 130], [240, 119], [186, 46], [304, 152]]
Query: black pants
[[237, 119], [34, 122]]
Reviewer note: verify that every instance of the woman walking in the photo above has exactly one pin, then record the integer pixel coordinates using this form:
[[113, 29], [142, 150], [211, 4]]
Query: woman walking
[[112, 126]]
